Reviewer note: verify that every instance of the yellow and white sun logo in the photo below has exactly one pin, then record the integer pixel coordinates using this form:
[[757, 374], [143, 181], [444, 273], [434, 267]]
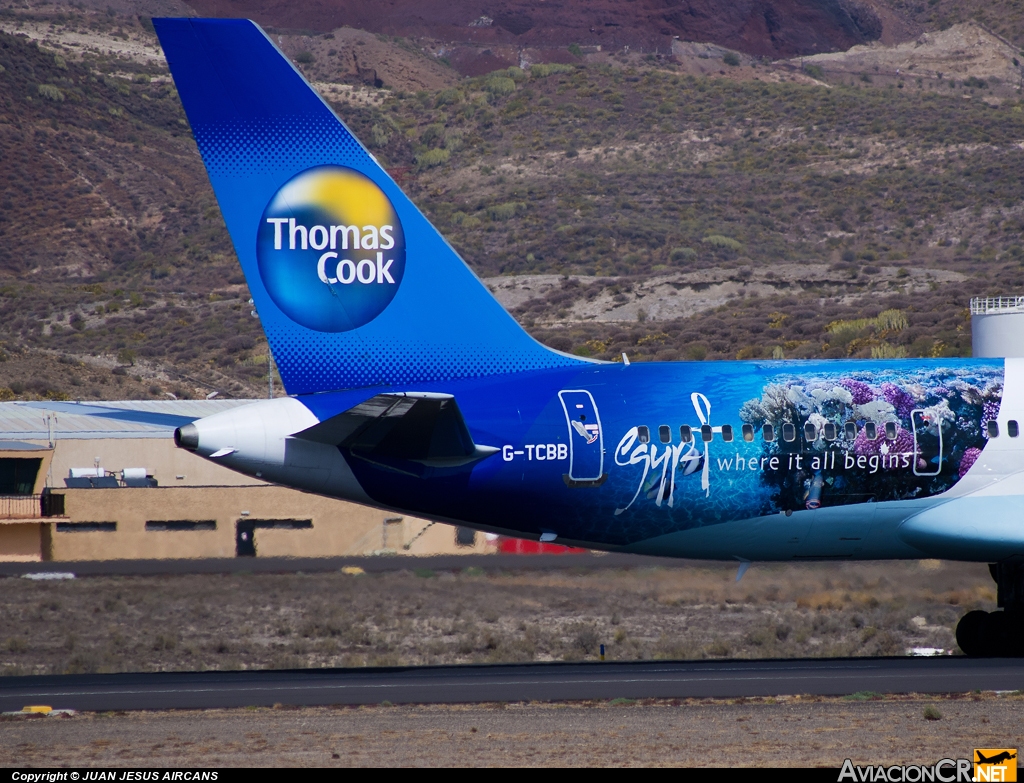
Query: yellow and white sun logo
[[330, 249]]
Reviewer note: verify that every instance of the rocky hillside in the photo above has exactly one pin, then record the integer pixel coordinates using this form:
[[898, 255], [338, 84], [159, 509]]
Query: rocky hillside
[[706, 204], [775, 28]]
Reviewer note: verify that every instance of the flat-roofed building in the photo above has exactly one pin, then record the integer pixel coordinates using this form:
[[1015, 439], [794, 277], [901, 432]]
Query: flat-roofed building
[[104, 481]]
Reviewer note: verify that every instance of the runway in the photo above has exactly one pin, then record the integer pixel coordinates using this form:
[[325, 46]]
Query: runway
[[512, 683]]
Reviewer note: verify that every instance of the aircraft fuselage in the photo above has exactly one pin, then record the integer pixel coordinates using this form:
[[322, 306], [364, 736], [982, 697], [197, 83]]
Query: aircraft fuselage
[[745, 460]]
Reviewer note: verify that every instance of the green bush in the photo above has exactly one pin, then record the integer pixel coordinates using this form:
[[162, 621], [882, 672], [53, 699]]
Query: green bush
[[432, 133], [500, 85], [448, 97], [683, 254], [379, 136], [305, 58], [575, 50], [541, 70], [731, 58], [726, 243], [505, 211], [431, 158], [117, 84], [453, 141], [50, 92], [887, 351]]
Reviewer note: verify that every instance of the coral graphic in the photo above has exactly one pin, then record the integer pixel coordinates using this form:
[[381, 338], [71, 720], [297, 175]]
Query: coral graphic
[[917, 433]]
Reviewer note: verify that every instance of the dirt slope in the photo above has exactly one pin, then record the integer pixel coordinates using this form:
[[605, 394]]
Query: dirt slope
[[959, 52]]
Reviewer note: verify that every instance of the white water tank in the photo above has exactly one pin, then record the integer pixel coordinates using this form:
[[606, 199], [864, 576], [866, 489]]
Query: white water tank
[[997, 326]]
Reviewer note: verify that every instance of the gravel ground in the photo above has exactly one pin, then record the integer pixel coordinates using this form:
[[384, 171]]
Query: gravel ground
[[239, 621], [792, 732]]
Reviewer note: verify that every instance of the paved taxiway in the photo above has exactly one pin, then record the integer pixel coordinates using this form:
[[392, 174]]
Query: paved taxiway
[[512, 683]]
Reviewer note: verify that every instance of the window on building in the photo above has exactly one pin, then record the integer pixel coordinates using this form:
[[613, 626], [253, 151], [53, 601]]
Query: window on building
[[86, 527], [181, 524], [18, 476], [282, 524]]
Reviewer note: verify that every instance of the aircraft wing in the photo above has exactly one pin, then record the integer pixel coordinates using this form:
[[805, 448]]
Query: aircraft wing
[[395, 429]]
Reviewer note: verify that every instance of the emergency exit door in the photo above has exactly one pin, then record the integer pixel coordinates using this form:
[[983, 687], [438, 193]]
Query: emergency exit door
[[586, 439], [927, 444]]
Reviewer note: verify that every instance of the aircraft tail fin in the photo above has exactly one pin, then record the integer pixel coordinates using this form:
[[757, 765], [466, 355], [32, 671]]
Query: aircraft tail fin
[[353, 286]]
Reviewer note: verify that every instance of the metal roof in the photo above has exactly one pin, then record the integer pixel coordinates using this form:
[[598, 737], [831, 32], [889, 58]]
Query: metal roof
[[104, 419], [17, 445]]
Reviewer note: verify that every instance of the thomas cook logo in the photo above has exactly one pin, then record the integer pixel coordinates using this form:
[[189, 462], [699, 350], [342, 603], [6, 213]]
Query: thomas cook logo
[[330, 249]]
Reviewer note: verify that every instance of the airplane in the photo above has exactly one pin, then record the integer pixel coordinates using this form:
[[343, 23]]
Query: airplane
[[996, 759], [411, 389]]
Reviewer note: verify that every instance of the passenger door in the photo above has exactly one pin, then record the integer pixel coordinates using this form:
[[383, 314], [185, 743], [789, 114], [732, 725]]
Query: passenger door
[[586, 438]]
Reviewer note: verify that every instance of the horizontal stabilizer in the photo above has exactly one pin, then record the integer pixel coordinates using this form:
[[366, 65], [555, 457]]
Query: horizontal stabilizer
[[405, 432]]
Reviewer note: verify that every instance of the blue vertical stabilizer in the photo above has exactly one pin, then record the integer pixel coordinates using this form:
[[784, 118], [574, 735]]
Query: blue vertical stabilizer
[[353, 285]]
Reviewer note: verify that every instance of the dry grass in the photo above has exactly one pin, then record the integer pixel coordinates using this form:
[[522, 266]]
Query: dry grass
[[418, 617]]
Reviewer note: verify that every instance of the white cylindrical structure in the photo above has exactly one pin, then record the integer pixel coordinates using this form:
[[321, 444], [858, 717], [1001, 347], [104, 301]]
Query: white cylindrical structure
[[997, 326]]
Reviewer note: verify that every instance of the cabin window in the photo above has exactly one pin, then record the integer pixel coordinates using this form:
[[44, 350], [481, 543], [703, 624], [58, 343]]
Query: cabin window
[[644, 434], [992, 430], [686, 434], [1011, 428], [748, 433], [788, 432], [705, 433], [768, 431], [810, 433], [829, 431], [890, 430], [850, 430], [727, 433], [665, 433], [870, 431]]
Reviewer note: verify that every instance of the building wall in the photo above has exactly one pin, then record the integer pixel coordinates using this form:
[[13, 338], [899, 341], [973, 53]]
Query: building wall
[[338, 527], [193, 489], [158, 456], [21, 541]]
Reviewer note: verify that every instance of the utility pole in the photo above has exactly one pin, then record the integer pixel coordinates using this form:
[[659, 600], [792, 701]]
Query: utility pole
[[270, 372], [270, 358]]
